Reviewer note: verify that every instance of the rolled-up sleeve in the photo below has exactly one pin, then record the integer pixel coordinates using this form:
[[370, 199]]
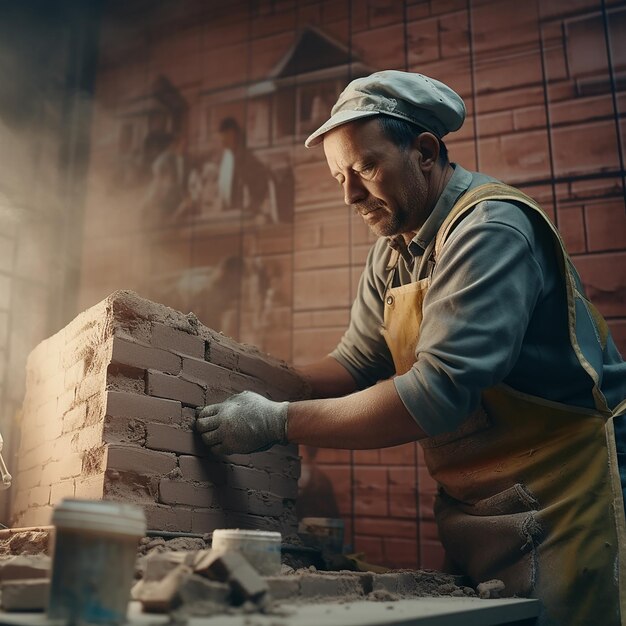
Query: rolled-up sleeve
[[484, 288]]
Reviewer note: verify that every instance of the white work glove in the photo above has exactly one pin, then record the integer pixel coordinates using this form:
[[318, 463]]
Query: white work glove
[[246, 422]]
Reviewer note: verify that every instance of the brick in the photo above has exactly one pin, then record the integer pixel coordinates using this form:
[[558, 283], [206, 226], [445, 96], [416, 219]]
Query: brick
[[61, 490], [572, 228], [384, 527], [402, 502], [232, 499], [35, 458], [178, 492], [279, 377], [371, 547], [209, 374], [283, 587], [158, 564], [162, 596], [39, 496], [222, 355], [124, 430], [120, 404], [283, 486], [370, 478], [139, 460], [144, 357], [400, 553], [24, 595], [326, 455], [237, 519], [25, 566], [173, 388], [366, 457], [568, 141], [200, 469], [178, 341], [248, 478], [74, 374], [329, 585], [604, 277], [432, 555], [199, 589], [74, 418], [159, 517], [90, 488], [262, 503], [172, 439], [207, 520], [89, 386], [401, 583], [321, 289], [37, 516], [233, 568], [68, 467], [398, 455], [618, 331], [606, 225]]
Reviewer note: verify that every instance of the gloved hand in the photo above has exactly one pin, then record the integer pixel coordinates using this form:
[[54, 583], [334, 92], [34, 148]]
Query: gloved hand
[[246, 422]]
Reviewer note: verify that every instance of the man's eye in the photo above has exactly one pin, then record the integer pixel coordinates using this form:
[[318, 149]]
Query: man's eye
[[366, 170]]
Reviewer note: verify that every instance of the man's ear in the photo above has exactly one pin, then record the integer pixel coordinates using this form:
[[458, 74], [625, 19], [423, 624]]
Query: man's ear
[[428, 146]]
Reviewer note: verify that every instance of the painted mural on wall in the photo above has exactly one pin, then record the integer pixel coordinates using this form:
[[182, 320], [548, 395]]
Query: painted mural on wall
[[205, 181], [201, 195]]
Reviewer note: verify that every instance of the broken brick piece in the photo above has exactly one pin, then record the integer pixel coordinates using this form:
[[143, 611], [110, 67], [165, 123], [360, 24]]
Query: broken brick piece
[[162, 596], [25, 595], [199, 589], [217, 565], [159, 564], [490, 589], [233, 568]]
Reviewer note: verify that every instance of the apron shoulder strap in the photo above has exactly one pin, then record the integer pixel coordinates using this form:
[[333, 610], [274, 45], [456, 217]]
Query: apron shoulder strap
[[488, 191], [501, 192]]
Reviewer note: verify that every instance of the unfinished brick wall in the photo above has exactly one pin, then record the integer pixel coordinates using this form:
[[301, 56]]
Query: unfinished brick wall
[[109, 413]]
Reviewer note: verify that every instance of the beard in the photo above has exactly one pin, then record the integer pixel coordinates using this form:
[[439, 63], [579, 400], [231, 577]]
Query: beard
[[406, 213]]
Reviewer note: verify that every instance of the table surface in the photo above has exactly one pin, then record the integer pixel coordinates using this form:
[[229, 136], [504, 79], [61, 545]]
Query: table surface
[[446, 611]]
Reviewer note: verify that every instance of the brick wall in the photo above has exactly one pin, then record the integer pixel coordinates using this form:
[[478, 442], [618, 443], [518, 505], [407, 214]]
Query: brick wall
[[109, 413], [543, 84]]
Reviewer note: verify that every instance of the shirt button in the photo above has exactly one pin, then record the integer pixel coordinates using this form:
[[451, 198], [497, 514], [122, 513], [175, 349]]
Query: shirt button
[[389, 300]]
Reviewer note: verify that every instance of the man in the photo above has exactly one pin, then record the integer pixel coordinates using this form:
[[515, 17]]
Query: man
[[504, 372]]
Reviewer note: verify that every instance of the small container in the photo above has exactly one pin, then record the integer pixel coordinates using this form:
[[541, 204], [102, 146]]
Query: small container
[[327, 531], [93, 564], [261, 548]]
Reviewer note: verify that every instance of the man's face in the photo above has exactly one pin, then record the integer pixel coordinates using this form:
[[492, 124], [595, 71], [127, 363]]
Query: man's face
[[383, 183]]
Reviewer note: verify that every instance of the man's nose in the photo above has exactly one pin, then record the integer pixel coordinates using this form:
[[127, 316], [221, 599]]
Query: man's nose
[[353, 190]]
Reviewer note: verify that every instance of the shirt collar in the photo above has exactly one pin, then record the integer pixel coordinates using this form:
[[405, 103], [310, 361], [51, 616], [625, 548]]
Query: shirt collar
[[457, 185]]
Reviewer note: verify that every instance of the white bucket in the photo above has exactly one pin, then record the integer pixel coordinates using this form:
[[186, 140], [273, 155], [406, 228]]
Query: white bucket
[[261, 548], [93, 564]]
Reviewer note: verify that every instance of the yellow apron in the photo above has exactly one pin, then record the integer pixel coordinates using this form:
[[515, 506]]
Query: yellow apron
[[529, 489]]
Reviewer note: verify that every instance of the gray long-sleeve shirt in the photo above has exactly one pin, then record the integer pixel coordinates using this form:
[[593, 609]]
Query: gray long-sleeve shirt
[[495, 312]]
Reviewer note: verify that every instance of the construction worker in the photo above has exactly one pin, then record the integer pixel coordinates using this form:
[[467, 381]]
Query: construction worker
[[472, 315]]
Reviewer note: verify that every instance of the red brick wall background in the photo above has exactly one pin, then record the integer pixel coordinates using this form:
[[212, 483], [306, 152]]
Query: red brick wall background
[[544, 84]]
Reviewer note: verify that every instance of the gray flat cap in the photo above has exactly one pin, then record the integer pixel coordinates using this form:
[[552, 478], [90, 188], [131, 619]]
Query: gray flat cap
[[415, 98]]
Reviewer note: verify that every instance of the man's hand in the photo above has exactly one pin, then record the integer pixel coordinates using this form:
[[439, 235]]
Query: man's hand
[[246, 422]]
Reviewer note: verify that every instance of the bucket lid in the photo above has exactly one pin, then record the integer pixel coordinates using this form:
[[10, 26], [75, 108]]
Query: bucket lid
[[100, 515]]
